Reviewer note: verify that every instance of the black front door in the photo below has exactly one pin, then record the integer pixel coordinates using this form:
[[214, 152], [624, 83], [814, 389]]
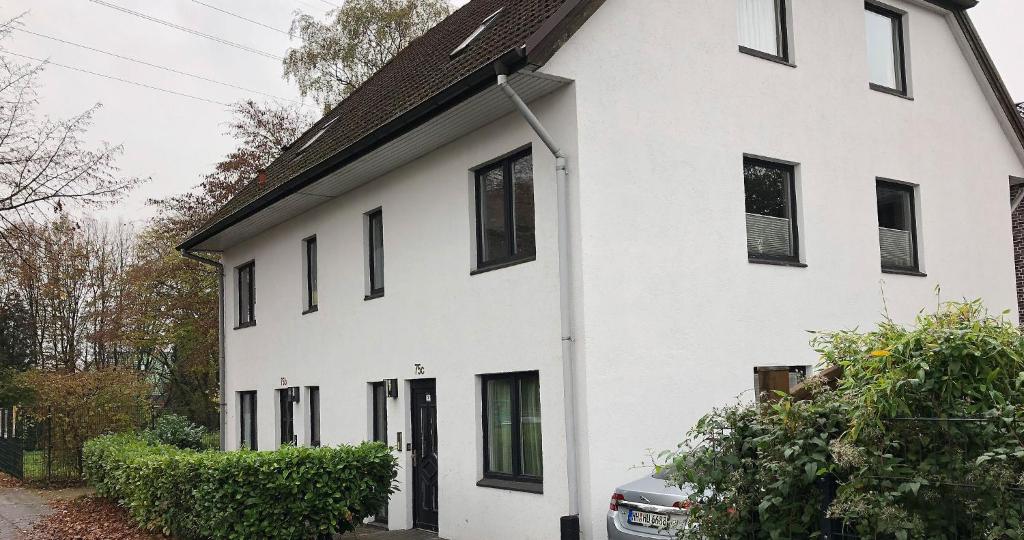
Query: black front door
[[424, 447]]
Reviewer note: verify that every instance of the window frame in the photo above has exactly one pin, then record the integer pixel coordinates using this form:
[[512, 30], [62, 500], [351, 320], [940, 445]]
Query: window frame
[[379, 415], [375, 290], [899, 49], [911, 190], [310, 275], [801, 371], [781, 37], [313, 412], [379, 428], [790, 170], [245, 319], [287, 396], [517, 480], [505, 164], [253, 431]]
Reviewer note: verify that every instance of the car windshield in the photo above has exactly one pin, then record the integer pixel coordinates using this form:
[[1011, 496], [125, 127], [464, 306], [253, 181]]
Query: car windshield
[[664, 472]]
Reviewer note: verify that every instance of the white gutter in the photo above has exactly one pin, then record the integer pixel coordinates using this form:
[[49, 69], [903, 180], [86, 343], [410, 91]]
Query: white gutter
[[220, 336], [566, 297]]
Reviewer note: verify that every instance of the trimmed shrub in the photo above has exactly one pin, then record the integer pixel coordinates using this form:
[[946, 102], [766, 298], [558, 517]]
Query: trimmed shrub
[[176, 430], [292, 493]]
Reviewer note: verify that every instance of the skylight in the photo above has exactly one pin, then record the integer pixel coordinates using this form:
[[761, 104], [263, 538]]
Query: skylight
[[476, 33], [315, 137]]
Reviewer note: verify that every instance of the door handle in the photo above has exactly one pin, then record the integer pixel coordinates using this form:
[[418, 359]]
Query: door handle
[[414, 458]]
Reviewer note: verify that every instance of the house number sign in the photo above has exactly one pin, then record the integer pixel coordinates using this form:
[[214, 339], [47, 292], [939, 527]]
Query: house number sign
[[419, 369], [284, 381]]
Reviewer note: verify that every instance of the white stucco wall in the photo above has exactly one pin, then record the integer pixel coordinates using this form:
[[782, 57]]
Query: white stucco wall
[[433, 313], [675, 317]]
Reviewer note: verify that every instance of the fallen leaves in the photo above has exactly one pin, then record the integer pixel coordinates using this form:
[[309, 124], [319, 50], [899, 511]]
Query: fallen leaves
[[88, 518], [7, 481]]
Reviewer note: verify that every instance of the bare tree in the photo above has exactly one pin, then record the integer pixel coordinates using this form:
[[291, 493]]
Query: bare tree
[[45, 164], [337, 55]]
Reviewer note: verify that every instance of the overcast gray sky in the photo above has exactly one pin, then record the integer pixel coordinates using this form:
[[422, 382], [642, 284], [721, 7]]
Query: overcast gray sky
[[174, 139]]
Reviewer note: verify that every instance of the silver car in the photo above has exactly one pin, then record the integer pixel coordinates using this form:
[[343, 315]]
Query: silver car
[[647, 508]]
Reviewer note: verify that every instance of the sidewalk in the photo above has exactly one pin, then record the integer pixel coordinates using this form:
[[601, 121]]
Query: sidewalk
[[20, 508]]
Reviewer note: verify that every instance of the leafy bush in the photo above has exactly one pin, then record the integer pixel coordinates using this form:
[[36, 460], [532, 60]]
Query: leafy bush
[[923, 435], [292, 493], [81, 405], [177, 430]]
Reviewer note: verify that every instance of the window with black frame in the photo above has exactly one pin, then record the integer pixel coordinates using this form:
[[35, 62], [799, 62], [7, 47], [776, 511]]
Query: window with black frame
[[287, 397], [770, 190], [762, 28], [375, 252], [512, 429], [314, 416], [379, 405], [247, 420], [246, 294], [505, 211], [886, 49], [309, 263], [897, 235]]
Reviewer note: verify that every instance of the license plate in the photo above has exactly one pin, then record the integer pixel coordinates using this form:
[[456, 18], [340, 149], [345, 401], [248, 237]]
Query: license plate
[[647, 519]]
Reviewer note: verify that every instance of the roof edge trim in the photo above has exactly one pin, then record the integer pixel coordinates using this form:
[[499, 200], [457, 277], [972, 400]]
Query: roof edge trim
[[954, 4], [555, 31], [988, 67]]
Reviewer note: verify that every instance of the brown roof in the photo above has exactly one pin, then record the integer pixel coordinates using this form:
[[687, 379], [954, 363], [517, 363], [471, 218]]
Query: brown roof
[[421, 76]]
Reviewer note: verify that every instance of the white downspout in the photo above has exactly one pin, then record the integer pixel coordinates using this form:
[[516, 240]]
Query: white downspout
[[566, 297]]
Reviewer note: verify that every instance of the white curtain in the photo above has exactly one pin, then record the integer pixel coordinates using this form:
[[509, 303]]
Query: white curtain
[[758, 25]]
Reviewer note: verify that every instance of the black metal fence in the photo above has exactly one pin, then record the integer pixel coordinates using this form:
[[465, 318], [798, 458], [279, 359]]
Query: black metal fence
[[942, 454], [35, 451], [32, 451]]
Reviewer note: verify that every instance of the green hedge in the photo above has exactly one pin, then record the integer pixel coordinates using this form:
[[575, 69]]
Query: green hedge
[[292, 493]]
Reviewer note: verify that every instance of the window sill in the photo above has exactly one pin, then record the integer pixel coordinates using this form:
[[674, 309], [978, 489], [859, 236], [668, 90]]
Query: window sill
[[245, 325], [511, 485], [374, 295], [776, 262], [890, 91], [901, 272], [500, 265], [311, 309], [766, 56]]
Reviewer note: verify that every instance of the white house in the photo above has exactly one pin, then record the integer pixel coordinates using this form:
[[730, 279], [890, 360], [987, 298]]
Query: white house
[[524, 306]]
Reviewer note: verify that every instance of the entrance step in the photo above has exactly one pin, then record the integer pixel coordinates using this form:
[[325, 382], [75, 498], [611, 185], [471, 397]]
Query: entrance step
[[376, 533]]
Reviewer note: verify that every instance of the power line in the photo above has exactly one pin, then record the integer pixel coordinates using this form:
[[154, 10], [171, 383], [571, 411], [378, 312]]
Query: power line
[[332, 4], [187, 30], [119, 79], [157, 66], [237, 16]]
